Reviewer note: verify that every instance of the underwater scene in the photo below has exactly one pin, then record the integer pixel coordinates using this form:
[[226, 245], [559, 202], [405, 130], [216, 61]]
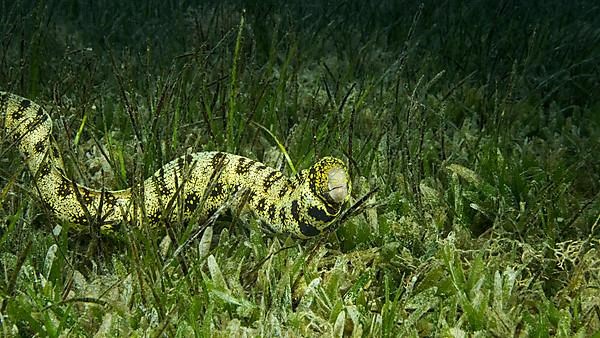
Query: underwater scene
[[299, 168]]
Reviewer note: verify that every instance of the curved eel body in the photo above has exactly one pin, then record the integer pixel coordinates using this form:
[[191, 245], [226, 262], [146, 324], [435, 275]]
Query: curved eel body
[[198, 184]]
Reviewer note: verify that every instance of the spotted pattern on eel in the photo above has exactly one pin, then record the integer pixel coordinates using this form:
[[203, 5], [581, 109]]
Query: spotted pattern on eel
[[196, 184]]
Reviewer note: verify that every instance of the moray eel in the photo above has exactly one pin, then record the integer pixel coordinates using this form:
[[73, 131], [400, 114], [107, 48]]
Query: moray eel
[[198, 184]]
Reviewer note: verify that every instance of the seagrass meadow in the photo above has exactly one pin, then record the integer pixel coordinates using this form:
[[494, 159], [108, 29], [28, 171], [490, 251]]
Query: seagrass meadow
[[470, 129]]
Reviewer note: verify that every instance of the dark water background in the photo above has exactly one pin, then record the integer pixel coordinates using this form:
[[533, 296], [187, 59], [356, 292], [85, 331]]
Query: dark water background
[[553, 44]]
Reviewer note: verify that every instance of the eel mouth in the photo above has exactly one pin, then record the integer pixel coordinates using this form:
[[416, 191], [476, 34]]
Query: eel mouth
[[337, 183]]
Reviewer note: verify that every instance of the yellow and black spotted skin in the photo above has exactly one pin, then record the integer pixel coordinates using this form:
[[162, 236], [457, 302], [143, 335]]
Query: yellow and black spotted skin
[[196, 184]]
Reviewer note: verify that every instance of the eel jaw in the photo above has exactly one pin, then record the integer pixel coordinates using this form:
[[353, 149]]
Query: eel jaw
[[337, 183]]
